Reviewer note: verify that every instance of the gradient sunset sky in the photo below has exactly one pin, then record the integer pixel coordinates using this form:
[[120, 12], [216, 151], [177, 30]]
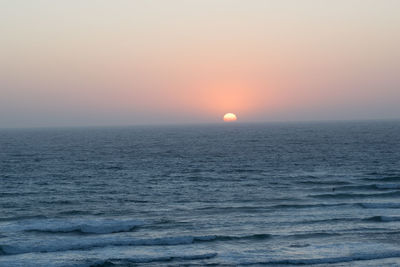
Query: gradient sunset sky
[[66, 63]]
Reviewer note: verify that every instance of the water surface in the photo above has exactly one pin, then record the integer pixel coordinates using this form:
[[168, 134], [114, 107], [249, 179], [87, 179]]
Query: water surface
[[238, 194]]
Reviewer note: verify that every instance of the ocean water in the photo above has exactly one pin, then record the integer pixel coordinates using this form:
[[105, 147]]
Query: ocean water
[[323, 194]]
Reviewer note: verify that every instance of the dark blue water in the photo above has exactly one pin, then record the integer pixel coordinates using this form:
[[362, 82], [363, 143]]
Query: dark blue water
[[236, 194]]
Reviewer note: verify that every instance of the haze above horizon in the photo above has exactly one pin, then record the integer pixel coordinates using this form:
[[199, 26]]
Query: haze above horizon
[[88, 63]]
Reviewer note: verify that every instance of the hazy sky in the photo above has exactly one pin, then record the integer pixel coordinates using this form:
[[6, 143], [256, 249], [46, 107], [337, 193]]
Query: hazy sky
[[118, 62]]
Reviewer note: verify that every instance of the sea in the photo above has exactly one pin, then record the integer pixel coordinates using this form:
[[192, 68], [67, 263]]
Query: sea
[[233, 194]]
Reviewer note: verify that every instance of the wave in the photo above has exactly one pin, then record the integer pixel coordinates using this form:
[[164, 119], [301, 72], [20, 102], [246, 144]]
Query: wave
[[278, 206], [356, 187], [367, 187], [65, 244], [59, 202], [330, 220], [127, 261], [387, 186], [2, 252], [352, 195], [347, 219], [383, 219], [18, 218], [331, 260], [74, 212], [304, 206], [87, 226], [324, 182], [313, 235], [207, 238], [18, 194], [244, 171], [76, 243], [380, 205], [384, 179]]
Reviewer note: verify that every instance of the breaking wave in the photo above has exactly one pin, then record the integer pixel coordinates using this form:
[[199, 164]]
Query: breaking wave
[[87, 226], [88, 243]]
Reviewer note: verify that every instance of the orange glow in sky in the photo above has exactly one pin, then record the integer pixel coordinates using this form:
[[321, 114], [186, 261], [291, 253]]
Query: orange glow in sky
[[149, 62]]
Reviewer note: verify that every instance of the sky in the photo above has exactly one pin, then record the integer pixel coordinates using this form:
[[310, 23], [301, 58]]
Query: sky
[[98, 62]]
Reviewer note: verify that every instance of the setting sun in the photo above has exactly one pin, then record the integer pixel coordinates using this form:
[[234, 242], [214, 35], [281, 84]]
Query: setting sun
[[228, 117]]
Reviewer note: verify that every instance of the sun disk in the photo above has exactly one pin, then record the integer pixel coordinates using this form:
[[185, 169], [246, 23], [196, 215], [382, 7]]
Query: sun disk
[[229, 117]]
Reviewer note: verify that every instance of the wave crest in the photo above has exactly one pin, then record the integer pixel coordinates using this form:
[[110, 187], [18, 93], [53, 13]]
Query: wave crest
[[128, 261], [87, 226], [383, 219], [88, 243], [332, 260]]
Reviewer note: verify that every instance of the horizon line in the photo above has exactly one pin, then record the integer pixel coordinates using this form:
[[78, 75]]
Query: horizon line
[[200, 123]]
